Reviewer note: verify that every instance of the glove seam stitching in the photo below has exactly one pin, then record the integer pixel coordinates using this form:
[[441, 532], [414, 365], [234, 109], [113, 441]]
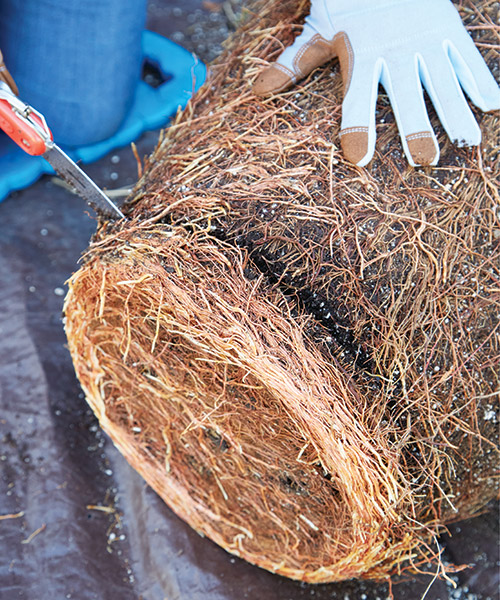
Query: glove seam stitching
[[303, 49], [354, 130], [342, 35], [286, 71], [421, 134]]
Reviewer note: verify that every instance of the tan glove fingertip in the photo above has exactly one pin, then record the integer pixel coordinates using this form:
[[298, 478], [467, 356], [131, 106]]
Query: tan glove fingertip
[[273, 80]]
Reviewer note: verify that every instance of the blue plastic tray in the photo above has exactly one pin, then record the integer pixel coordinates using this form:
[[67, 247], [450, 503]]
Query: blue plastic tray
[[151, 109]]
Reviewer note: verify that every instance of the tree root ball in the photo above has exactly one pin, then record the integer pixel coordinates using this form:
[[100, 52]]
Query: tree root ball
[[301, 356]]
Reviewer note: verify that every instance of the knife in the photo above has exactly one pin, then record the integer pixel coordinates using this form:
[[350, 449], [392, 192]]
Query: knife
[[29, 130]]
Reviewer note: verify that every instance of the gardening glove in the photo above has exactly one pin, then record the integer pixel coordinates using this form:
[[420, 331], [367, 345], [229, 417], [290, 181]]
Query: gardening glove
[[6, 77], [401, 44]]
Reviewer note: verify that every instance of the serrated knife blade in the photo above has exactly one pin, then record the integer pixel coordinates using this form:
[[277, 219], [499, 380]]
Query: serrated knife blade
[[81, 182]]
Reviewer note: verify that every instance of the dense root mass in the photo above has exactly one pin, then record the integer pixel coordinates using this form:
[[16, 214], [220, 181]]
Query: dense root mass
[[301, 356]]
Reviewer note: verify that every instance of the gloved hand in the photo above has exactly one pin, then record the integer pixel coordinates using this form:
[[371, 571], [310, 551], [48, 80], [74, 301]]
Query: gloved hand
[[7, 77], [401, 44]]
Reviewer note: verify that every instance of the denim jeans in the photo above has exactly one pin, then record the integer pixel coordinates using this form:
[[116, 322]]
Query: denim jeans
[[76, 61]]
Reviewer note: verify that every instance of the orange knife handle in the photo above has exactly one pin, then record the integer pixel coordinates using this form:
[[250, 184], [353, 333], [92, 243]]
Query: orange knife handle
[[21, 131]]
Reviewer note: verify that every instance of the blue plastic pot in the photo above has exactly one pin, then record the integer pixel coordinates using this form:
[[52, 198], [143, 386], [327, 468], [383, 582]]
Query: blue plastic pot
[[76, 61]]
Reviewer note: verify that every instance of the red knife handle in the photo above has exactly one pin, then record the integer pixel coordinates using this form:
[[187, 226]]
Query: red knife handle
[[21, 131]]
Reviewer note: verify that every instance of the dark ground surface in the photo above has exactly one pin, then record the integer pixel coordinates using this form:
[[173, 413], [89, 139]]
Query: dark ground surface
[[80, 522]]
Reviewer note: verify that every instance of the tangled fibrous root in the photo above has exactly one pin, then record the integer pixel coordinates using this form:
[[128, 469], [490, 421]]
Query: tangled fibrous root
[[301, 356]]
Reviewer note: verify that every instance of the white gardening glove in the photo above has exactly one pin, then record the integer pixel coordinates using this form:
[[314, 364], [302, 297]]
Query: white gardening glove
[[402, 44]]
